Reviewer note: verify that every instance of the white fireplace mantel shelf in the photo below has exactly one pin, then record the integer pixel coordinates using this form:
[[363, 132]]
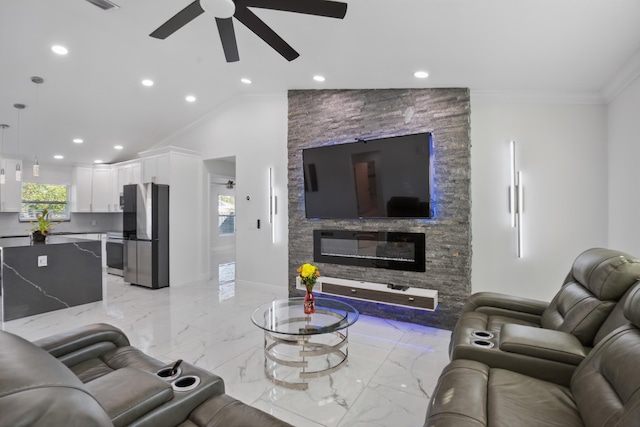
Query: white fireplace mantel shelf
[[417, 298]]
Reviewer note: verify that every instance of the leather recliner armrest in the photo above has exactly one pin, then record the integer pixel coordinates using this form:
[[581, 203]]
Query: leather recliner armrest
[[542, 344], [84, 342], [127, 394], [493, 303]]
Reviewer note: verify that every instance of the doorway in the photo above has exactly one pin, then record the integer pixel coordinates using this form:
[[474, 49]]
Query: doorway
[[222, 221]]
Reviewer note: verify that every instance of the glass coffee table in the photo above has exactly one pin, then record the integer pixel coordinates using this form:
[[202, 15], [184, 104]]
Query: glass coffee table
[[306, 345]]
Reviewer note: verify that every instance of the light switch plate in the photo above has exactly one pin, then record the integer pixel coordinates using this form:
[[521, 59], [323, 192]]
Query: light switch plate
[[42, 261]]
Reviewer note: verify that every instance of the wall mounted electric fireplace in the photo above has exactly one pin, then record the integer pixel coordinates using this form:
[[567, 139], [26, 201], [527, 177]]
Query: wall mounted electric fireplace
[[381, 249]]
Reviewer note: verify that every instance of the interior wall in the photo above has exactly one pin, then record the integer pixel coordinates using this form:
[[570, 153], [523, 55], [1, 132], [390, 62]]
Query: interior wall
[[322, 117], [254, 130], [562, 153], [624, 152]]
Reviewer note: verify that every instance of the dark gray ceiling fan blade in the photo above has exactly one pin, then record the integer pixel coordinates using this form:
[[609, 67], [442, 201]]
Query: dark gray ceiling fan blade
[[178, 21], [331, 9], [262, 30], [228, 39]]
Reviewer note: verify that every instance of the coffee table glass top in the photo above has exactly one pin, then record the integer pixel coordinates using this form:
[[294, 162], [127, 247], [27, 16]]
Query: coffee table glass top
[[287, 317]]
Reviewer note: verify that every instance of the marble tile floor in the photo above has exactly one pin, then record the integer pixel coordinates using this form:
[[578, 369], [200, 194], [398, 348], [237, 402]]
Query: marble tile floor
[[393, 366]]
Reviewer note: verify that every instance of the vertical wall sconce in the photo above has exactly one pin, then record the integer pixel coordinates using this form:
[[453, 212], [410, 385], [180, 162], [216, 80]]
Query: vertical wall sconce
[[273, 209], [516, 198]]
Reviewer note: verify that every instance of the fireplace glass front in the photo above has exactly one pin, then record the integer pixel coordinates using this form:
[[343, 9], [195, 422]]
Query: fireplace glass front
[[382, 249]]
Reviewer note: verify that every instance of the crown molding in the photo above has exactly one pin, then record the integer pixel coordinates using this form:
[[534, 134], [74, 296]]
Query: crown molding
[[623, 78], [538, 96], [168, 149]]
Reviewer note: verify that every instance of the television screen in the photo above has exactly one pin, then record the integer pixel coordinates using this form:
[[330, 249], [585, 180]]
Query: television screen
[[379, 178]]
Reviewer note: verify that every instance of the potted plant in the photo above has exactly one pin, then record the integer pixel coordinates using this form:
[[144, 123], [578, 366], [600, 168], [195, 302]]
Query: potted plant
[[41, 226], [309, 273]]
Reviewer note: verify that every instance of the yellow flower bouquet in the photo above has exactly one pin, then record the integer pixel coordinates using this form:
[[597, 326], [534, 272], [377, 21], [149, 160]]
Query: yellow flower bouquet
[[308, 275]]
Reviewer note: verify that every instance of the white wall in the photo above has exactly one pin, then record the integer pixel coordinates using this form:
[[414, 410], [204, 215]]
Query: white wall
[[254, 130], [186, 227], [624, 158], [562, 153]]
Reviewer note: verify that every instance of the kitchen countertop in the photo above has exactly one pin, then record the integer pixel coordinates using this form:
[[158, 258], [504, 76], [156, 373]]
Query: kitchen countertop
[[13, 242], [62, 233]]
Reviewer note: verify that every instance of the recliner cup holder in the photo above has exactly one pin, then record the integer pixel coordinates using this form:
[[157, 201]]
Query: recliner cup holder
[[483, 335], [482, 343], [186, 383], [165, 373]]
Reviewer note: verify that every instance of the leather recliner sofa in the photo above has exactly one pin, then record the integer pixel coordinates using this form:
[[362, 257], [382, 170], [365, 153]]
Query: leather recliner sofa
[[548, 339], [604, 389], [92, 376]]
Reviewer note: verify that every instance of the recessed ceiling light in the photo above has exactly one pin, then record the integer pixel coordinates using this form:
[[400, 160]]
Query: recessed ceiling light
[[421, 74], [60, 50], [97, 161], [245, 81], [190, 98], [318, 78], [58, 156], [147, 82], [78, 141], [118, 147]]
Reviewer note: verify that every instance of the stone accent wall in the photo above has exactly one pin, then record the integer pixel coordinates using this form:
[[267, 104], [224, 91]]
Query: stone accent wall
[[322, 117]]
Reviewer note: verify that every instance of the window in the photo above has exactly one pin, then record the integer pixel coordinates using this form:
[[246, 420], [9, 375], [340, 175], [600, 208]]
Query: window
[[226, 215], [38, 197]]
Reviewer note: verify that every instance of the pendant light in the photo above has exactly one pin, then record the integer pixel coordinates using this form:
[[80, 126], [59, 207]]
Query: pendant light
[[38, 81], [2, 178], [18, 168]]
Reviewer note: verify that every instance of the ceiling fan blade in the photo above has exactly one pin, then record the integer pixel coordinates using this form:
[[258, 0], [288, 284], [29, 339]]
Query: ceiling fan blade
[[330, 9], [178, 21], [262, 30], [228, 39]]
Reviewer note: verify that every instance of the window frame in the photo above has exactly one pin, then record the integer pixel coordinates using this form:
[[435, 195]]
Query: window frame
[[66, 203], [225, 216]]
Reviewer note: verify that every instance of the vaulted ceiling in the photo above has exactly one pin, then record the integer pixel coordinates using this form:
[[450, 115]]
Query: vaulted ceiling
[[95, 92]]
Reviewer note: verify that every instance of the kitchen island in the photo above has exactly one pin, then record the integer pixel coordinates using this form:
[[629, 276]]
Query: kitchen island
[[37, 278]]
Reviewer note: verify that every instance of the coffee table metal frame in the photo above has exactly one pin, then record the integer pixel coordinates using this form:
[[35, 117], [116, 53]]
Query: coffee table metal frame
[[308, 346]]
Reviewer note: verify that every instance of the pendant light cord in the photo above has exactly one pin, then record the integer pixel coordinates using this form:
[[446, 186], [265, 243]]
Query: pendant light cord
[[2, 146], [18, 168]]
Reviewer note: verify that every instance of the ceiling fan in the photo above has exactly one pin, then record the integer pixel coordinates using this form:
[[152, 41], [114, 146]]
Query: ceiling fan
[[225, 10]]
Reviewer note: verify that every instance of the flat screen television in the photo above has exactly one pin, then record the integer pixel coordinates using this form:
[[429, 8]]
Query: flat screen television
[[376, 178]]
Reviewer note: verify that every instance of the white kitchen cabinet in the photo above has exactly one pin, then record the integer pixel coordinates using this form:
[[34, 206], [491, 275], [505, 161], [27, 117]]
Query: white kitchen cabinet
[[136, 173], [156, 169], [81, 189], [101, 190], [123, 174], [11, 190], [123, 177], [92, 189]]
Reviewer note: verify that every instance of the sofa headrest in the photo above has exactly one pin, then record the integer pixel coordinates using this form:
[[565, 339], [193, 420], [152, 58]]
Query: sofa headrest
[[36, 389], [606, 273], [632, 306]]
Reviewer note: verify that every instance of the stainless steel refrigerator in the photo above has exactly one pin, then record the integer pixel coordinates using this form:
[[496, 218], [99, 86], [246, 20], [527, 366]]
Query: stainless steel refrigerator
[[145, 229]]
